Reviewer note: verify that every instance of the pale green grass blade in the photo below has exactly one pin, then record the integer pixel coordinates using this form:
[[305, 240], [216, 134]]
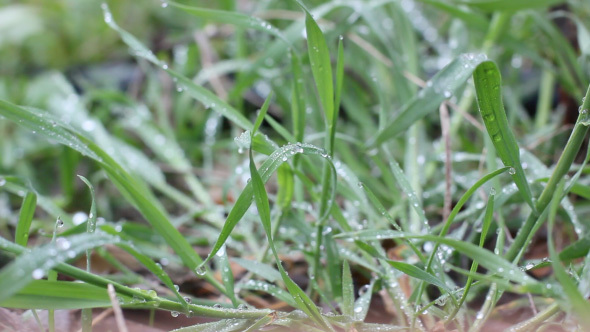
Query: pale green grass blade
[[43, 294], [226, 325], [575, 299], [298, 104], [575, 250], [443, 85], [347, 304], [227, 276], [321, 67], [488, 87], [233, 18], [90, 228], [25, 218], [36, 263]]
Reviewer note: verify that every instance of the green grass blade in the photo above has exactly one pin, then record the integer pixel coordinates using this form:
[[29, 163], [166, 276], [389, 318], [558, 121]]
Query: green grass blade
[[575, 299], [488, 87], [298, 104], [575, 250], [321, 67], [59, 295], [27, 211], [361, 305], [227, 276], [418, 273], [444, 84], [233, 18], [263, 270], [36, 263], [347, 304]]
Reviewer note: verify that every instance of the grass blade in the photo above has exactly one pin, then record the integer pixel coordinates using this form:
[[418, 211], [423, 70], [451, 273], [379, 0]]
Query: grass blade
[[27, 211], [575, 299], [507, 5], [347, 291], [488, 87]]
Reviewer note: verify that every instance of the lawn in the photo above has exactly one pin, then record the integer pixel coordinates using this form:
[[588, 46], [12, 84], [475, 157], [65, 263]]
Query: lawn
[[239, 165]]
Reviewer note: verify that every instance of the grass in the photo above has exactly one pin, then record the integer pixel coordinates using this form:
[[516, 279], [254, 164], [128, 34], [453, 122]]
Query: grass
[[357, 207]]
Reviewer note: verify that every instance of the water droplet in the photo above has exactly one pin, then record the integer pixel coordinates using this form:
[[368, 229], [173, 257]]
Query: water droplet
[[187, 299], [164, 4], [447, 94], [358, 309], [38, 274], [174, 313], [217, 306], [492, 191], [285, 158], [512, 171], [497, 138], [201, 270], [363, 290], [59, 222], [243, 306], [62, 243], [176, 287]]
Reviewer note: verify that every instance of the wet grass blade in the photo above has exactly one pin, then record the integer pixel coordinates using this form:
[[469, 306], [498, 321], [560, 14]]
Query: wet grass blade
[[419, 274], [575, 299], [507, 5], [43, 294], [443, 85], [304, 303], [27, 211], [488, 87], [321, 67], [347, 304]]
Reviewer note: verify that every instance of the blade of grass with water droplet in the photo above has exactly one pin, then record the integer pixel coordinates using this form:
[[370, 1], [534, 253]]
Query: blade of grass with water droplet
[[488, 88], [418, 273], [361, 305], [347, 304], [321, 67], [575, 299], [25, 218], [445, 82], [227, 276], [303, 302]]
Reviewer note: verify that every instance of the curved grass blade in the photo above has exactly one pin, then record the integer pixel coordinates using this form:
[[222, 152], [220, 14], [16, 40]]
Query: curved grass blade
[[444, 84], [575, 299], [488, 88], [270, 289], [303, 302], [55, 295], [27, 211], [36, 263], [263, 270], [233, 18]]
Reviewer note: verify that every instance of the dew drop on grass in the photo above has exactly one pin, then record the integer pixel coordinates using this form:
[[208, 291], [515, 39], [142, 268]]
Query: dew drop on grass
[[363, 290], [217, 306], [201, 270], [176, 287], [187, 299], [59, 222], [38, 274], [492, 191], [358, 309], [62, 243], [242, 306], [512, 171], [174, 313]]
